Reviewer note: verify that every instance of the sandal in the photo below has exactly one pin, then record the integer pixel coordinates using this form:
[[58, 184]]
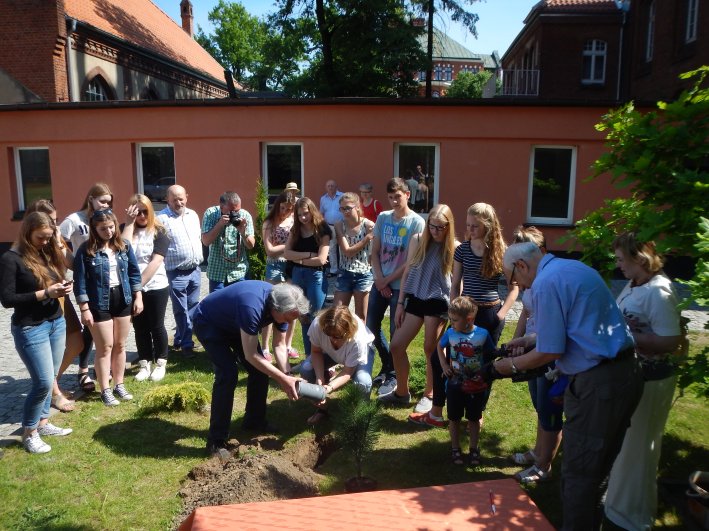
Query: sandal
[[86, 383], [524, 458], [474, 458], [533, 474], [456, 456], [317, 417], [62, 403]]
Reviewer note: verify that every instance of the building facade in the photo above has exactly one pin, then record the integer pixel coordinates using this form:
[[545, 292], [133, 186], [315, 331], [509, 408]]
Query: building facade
[[99, 50], [606, 50]]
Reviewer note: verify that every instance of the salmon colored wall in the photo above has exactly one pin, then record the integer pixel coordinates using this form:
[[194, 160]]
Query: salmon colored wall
[[484, 150]]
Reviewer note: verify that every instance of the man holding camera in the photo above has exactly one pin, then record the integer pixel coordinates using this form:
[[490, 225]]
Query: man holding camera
[[228, 230]]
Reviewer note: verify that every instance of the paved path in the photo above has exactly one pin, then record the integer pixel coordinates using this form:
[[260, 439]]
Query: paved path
[[15, 382]]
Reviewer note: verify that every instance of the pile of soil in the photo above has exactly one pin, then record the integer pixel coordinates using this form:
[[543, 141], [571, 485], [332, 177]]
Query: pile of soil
[[257, 470]]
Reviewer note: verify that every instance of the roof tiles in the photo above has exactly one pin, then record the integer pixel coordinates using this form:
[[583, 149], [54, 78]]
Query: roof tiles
[[145, 25]]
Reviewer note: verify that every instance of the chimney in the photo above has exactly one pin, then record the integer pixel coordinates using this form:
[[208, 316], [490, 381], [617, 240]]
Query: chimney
[[187, 18]]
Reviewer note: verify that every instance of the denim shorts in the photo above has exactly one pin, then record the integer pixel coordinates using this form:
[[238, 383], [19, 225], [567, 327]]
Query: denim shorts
[[347, 281], [275, 271]]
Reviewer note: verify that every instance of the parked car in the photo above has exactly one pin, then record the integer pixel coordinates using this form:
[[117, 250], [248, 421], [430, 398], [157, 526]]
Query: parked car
[[158, 191]]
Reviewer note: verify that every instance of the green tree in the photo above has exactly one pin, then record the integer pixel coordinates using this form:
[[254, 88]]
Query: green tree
[[257, 255], [468, 85], [354, 47], [238, 40], [660, 158]]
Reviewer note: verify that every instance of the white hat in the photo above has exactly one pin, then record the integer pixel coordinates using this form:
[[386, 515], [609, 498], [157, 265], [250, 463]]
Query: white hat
[[291, 187]]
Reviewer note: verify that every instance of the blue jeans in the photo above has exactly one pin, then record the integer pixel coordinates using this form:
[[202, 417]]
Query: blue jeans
[[215, 286], [227, 353], [310, 280], [375, 315], [362, 376], [41, 348], [184, 294]]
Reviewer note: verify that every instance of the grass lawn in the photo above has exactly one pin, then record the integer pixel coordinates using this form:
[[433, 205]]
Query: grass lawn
[[119, 470]]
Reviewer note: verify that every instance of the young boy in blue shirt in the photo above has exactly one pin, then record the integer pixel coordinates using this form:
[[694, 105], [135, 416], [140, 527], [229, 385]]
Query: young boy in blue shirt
[[469, 347]]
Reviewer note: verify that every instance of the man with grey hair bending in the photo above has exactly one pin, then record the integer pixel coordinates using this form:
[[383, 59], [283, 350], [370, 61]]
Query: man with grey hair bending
[[227, 322], [579, 324]]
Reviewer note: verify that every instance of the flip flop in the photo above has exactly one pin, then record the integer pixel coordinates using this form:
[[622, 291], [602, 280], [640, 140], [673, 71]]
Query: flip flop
[[62, 403]]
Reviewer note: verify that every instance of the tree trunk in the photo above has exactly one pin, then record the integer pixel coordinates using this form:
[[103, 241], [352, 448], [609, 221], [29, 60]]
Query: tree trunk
[[429, 49], [326, 36]]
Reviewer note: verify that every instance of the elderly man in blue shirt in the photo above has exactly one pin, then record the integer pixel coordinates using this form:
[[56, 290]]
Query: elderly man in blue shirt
[[580, 325], [228, 322]]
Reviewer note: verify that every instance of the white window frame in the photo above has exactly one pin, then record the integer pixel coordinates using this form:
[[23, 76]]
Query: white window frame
[[436, 166], [650, 42], [18, 173], [568, 220], [690, 32], [139, 161], [264, 163], [594, 56]]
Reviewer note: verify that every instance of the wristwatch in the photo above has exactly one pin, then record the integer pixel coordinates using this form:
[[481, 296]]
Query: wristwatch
[[513, 366]]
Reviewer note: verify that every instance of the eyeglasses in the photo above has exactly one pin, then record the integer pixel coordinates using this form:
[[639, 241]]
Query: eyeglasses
[[437, 228], [143, 212], [512, 275], [102, 213], [345, 209]]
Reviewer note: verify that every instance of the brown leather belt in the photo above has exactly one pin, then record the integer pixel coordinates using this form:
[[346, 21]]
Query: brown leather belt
[[487, 304]]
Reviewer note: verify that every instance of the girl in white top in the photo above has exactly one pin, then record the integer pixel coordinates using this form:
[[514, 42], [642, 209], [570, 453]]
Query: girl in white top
[[354, 235], [75, 231], [338, 336], [150, 243]]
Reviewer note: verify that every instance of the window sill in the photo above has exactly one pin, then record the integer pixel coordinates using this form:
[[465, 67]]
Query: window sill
[[551, 225]]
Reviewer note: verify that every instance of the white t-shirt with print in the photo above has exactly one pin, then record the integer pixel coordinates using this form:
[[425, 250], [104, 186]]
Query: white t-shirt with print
[[352, 353]]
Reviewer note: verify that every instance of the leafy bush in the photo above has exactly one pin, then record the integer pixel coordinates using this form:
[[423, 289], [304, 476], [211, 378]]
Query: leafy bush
[[257, 255], [187, 396]]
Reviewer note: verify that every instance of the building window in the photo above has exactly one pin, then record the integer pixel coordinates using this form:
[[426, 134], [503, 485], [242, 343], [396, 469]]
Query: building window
[[650, 42], [552, 179], [156, 171], [690, 33], [407, 159], [448, 73], [594, 61], [96, 90], [282, 164], [422, 75], [34, 179], [437, 73]]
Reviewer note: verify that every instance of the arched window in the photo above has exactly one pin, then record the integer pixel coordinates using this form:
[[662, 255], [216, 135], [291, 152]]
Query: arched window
[[97, 89], [594, 61]]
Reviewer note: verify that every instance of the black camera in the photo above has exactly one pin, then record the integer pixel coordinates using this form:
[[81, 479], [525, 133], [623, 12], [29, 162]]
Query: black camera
[[235, 218]]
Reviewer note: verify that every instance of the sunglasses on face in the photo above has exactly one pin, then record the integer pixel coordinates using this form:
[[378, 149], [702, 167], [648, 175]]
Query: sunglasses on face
[[346, 209], [143, 212], [102, 213]]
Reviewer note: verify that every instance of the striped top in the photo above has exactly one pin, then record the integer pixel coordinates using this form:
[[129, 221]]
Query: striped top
[[481, 289], [426, 280], [358, 263]]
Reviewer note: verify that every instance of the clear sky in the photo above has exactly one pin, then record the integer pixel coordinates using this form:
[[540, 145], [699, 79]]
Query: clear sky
[[500, 20]]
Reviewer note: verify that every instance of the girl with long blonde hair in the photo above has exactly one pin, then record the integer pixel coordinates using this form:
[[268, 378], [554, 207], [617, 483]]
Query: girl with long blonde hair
[[75, 231], [32, 283], [423, 301], [150, 242]]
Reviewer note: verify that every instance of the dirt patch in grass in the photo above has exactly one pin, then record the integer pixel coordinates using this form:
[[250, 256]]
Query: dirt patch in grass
[[260, 469]]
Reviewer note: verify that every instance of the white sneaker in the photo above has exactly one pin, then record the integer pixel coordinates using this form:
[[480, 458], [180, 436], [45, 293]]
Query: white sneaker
[[159, 370], [51, 429], [424, 405], [35, 445], [144, 371]]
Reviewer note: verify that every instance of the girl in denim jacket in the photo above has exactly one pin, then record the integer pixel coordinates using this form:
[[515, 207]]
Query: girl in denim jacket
[[107, 287]]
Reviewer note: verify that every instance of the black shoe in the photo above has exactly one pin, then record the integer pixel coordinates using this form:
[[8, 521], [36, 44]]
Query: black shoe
[[379, 379], [261, 427], [213, 447], [188, 353]]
